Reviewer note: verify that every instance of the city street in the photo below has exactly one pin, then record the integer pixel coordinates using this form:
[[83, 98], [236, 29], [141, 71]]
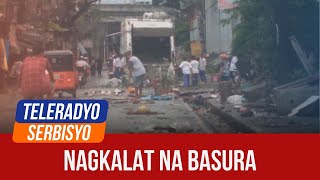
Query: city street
[[171, 117], [199, 75]]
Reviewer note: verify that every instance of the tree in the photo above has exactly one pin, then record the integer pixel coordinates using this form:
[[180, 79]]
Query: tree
[[84, 7], [182, 32], [264, 30]]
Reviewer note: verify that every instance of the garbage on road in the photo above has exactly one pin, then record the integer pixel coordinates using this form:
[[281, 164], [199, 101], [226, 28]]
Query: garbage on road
[[131, 91], [157, 98], [117, 92], [143, 110], [236, 100], [113, 83]]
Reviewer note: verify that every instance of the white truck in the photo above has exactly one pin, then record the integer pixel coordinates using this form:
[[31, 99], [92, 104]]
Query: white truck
[[150, 39]]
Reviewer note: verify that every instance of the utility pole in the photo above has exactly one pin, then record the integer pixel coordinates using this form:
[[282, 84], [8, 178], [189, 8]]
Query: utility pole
[[220, 49], [104, 49], [44, 26]]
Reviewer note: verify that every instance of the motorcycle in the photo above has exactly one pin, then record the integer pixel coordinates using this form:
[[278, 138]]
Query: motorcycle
[[83, 78]]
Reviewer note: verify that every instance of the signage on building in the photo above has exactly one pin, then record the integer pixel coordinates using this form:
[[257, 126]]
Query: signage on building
[[196, 49], [226, 4]]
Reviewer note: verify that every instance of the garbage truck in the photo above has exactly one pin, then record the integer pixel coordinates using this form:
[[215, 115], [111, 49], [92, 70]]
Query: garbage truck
[[151, 39]]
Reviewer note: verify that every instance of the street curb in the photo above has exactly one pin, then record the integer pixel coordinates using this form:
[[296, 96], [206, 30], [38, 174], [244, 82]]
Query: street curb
[[230, 118]]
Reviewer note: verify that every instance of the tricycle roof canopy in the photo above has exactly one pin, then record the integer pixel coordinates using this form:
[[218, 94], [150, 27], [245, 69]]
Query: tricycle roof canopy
[[58, 52]]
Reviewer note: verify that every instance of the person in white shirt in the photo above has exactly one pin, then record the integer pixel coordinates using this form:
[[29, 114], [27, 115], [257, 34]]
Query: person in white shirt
[[117, 66], [203, 68], [234, 70], [195, 71], [137, 72], [186, 70], [233, 65]]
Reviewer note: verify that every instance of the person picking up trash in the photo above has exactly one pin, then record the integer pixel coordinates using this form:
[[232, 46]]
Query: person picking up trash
[[136, 73]]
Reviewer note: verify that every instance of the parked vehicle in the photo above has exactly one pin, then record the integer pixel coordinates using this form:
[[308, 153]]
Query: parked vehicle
[[65, 72], [150, 39]]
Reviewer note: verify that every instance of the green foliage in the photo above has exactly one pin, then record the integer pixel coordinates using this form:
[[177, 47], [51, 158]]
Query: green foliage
[[182, 36], [256, 36]]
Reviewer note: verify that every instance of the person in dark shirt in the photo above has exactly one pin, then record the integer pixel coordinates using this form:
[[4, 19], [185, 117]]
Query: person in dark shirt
[[99, 67]]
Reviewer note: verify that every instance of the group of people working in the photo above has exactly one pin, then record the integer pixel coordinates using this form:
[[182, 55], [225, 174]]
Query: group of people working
[[194, 69], [36, 75], [136, 70]]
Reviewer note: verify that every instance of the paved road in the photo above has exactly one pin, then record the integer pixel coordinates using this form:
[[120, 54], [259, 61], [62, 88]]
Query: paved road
[[173, 117]]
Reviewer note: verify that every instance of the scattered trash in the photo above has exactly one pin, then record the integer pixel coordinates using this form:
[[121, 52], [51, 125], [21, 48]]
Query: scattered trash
[[236, 100], [114, 83], [243, 109], [146, 83], [247, 113], [238, 107], [215, 96], [204, 96], [162, 98], [175, 90], [146, 98], [119, 101], [143, 109], [131, 91], [145, 113], [157, 98], [117, 91], [197, 92]]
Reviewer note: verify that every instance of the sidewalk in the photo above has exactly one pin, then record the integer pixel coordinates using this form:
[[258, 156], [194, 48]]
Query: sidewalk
[[264, 124], [8, 103], [9, 100]]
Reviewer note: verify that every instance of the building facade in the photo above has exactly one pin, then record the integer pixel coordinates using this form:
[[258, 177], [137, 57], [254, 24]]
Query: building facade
[[218, 35]]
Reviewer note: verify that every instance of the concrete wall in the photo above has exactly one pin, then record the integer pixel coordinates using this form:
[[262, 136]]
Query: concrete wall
[[195, 27], [126, 2], [218, 36]]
